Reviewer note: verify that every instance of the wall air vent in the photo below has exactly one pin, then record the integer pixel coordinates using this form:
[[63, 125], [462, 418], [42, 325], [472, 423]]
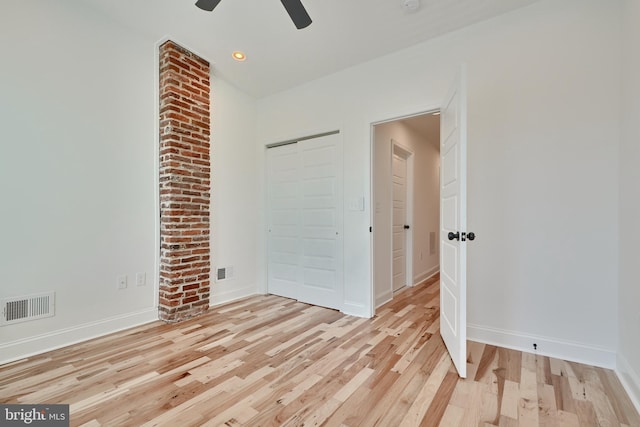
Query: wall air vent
[[224, 273], [25, 308]]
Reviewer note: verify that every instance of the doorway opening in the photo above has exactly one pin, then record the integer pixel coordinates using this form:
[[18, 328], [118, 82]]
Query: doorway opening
[[406, 203]]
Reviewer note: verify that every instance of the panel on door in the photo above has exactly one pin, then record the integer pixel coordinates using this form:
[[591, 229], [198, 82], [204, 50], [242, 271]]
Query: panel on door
[[399, 203], [453, 264], [321, 221], [283, 193]]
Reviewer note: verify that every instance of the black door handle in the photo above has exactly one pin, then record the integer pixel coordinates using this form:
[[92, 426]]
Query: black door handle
[[406, 227], [453, 235], [471, 236]]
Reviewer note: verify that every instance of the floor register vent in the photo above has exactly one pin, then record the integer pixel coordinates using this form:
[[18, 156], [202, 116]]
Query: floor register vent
[[25, 308]]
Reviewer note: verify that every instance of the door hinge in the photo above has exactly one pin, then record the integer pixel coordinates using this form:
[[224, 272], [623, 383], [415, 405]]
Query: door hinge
[[370, 229]]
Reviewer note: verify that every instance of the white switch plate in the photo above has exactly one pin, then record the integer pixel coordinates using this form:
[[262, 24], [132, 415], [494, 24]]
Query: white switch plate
[[122, 282], [356, 204], [141, 279]]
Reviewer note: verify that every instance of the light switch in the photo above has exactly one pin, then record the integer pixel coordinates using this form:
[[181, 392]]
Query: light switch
[[356, 204]]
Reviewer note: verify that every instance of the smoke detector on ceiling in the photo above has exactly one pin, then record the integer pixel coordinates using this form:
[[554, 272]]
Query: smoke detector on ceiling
[[411, 5]]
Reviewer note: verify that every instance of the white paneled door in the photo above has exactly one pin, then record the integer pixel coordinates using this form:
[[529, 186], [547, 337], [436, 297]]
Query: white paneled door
[[453, 223], [283, 171], [399, 203], [305, 221]]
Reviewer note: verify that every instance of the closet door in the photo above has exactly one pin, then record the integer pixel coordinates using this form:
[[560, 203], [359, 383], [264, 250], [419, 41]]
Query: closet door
[[283, 241], [305, 221], [321, 228]]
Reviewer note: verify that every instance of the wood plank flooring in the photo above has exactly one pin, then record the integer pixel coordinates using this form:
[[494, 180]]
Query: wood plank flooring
[[271, 361]]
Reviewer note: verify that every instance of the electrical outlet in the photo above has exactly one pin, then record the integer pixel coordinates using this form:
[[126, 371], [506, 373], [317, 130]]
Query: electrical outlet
[[141, 279], [122, 282]]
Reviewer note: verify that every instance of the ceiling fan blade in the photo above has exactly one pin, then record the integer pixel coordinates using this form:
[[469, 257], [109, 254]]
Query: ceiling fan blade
[[297, 12], [207, 5]]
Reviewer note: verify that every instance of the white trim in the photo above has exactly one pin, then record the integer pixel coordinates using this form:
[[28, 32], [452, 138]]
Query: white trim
[[384, 298], [406, 113], [371, 300], [426, 275], [355, 309], [27, 347], [546, 346], [630, 380], [233, 295]]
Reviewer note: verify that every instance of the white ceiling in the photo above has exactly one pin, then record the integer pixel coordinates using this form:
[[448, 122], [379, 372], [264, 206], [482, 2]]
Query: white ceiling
[[343, 33]]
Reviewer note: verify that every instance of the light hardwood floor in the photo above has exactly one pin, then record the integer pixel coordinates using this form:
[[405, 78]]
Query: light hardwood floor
[[270, 361]]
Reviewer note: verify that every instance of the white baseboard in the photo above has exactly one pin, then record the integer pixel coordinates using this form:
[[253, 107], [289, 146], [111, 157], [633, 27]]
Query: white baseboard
[[387, 296], [20, 349], [552, 347], [225, 296], [630, 380], [384, 298], [354, 309], [426, 275]]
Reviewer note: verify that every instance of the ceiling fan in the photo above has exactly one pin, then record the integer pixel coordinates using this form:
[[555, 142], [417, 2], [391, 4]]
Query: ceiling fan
[[294, 8]]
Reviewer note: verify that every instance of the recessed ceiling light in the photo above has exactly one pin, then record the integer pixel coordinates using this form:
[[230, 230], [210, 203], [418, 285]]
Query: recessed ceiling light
[[239, 56]]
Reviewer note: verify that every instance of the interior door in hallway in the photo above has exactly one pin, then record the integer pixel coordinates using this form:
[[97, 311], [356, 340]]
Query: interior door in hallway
[[399, 206]]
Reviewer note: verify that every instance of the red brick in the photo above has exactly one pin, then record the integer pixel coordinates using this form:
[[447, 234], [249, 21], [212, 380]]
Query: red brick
[[185, 183]]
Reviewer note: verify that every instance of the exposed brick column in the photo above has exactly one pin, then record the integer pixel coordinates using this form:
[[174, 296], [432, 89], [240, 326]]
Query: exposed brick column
[[185, 184]]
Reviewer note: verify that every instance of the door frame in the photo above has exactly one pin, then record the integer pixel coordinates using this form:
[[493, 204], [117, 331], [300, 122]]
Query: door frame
[[385, 118], [409, 157]]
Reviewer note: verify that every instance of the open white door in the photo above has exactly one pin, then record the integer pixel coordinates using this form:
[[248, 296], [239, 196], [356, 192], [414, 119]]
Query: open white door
[[453, 223]]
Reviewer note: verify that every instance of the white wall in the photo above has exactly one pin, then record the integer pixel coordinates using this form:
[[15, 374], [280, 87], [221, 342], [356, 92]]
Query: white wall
[[78, 178], [629, 313], [544, 157], [77, 171], [544, 102], [234, 192], [78, 114], [426, 202], [382, 218]]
